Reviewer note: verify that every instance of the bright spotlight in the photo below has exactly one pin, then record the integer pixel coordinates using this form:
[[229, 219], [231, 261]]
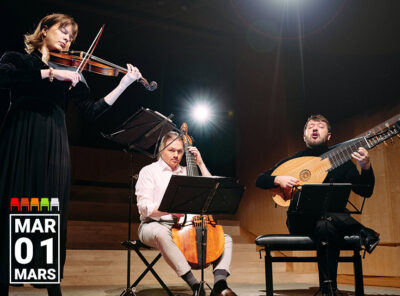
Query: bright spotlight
[[201, 113]]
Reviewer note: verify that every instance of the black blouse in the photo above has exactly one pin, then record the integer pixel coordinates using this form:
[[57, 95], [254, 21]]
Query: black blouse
[[21, 74]]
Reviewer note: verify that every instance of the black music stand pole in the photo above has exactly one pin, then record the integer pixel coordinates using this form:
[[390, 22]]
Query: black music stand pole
[[141, 132], [201, 195], [203, 237]]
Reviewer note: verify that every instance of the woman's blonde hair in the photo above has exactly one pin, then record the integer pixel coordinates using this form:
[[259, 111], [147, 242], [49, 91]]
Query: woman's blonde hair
[[35, 40]]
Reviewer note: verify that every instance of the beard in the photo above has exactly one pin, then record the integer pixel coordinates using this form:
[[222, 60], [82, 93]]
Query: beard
[[311, 143]]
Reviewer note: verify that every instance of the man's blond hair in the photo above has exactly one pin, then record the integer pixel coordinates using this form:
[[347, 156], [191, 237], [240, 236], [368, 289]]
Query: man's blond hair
[[167, 137]]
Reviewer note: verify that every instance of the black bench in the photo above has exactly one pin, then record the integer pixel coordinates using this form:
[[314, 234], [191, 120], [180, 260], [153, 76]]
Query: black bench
[[287, 242]]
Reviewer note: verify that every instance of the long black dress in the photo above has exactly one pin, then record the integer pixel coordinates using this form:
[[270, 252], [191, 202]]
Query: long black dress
[[34, 151]]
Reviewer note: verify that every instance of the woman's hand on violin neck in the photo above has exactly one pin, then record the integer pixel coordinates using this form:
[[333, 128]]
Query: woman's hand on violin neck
[[132, 75]]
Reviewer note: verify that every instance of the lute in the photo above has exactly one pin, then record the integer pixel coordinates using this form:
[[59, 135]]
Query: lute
[[313, 170]]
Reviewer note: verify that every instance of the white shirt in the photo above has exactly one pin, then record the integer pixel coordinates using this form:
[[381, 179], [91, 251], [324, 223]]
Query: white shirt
[[151, 185]]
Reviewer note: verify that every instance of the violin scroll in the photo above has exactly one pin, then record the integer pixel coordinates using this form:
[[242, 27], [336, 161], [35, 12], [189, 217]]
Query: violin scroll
[[149, 86]]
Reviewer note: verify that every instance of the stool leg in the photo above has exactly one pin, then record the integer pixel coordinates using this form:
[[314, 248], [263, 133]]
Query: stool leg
[[268, 274], [358, 274], [149, 267]]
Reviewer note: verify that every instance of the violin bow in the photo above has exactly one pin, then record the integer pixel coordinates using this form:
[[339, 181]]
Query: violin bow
[[149, 86], [90, 51]]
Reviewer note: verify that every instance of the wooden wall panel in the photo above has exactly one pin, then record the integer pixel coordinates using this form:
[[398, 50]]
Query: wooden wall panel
[[383, 262], [380, 262], [261, 136], [380, 212], [101, 165], [392, 172]]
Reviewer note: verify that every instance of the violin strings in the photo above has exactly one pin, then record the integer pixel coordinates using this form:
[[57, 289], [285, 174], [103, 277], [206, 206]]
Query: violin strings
[[108, 63], [100, 60]]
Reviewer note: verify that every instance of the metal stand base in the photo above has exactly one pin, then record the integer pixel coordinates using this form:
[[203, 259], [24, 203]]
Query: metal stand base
[[128, 292], [201, 287]]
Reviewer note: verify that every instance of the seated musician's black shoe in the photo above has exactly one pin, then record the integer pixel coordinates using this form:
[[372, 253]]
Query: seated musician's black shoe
[[370, 239], [371, 242], [221, 289], [195, 289], [329, 288]]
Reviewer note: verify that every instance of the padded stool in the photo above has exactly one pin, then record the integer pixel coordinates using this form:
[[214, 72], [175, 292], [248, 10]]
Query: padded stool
[[287, 242]]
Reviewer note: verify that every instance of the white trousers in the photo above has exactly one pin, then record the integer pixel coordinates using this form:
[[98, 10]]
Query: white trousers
[[158, 235]]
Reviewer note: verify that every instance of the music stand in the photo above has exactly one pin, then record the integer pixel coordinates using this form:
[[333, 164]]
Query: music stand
[[319, 199], [201, 195], [141, 132], [355, 209], [196, 195]]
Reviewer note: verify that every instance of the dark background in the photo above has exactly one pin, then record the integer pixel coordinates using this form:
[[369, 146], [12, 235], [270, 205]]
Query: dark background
[[339, 58], [264, 66]]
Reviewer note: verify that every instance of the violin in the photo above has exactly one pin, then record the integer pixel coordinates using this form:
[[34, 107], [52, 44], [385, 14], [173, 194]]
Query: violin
[[86, 61], [188, 237], [95, 65]]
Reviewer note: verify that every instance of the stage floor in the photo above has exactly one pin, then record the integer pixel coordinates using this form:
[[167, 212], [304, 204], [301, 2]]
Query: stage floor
[[283, 289], [103, 273]]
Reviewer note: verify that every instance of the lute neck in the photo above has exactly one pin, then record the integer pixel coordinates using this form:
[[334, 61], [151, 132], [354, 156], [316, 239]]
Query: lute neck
[[342, 152]]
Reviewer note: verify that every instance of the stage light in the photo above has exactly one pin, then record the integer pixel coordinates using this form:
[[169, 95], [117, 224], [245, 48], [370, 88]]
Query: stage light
[[201, 112], [201, 109]]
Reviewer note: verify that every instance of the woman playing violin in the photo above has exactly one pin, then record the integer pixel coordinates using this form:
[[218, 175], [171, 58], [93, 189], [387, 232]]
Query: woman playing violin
[[34, 152]]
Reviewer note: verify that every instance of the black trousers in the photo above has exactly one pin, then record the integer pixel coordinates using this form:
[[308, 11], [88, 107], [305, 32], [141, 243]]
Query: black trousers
[[328, 231]]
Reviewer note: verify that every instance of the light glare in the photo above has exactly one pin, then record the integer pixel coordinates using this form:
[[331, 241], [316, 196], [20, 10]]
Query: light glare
[[201, 113]]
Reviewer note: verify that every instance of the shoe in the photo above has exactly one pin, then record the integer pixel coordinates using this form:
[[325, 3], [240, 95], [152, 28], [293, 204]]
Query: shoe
[[370, 239], [329, 288], [226, 292]]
